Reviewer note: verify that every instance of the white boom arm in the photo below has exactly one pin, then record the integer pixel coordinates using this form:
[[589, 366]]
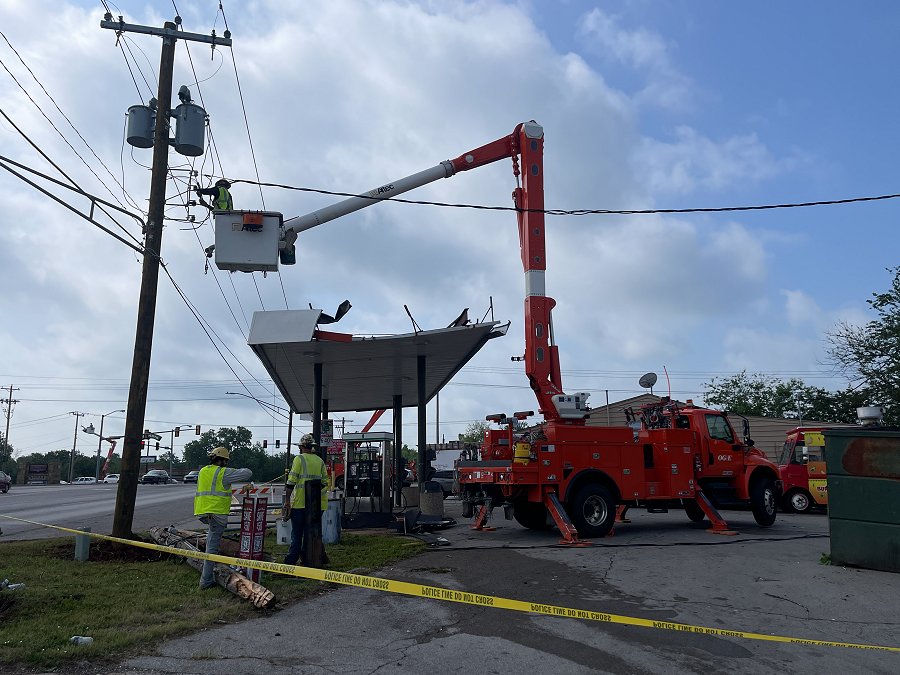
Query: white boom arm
[[300, 223]]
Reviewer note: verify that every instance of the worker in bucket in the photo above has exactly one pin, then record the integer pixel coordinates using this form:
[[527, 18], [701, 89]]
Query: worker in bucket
[[213, 502], [220, 194], [306, 466]]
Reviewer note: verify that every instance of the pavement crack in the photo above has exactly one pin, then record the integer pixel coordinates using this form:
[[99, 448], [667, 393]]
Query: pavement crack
[[780, 597]]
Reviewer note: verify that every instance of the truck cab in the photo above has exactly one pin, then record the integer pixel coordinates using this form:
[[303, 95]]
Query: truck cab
[[802, 468]]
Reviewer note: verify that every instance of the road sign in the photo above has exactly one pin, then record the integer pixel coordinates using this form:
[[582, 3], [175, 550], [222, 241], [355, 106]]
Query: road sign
[[150, 434], [148, 459]]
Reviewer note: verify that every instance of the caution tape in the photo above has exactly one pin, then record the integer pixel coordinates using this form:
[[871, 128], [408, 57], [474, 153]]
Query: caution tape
[[266, 490], [463, 597]]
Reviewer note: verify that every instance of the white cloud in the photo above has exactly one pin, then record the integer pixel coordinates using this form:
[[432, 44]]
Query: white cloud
[[693, 162], [643, 50]]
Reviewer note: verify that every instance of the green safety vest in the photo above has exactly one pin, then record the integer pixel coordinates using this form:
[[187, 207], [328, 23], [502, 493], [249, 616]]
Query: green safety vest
[[212, 495], [223, 200], [307, 467]]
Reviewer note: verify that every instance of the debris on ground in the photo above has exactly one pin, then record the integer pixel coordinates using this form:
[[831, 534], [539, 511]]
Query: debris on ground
[[225, 576]]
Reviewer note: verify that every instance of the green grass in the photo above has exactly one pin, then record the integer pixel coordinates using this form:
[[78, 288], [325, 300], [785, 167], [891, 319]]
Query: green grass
[[127, 607]]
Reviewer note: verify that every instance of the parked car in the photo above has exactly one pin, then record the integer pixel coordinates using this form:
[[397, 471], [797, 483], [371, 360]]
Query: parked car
[[156, 477], [445, 479], [5, 482], [84, 480], [191, 477], [111, 478]]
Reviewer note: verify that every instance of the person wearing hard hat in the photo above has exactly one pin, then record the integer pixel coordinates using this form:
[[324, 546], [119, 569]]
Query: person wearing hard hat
[[306, 466], [213, 502], [220, 193]]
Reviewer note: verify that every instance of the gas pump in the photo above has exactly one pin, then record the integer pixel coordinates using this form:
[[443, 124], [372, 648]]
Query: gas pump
[[367, 468]]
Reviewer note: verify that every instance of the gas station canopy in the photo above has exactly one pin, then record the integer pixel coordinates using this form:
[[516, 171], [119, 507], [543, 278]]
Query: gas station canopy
[[360, 373]]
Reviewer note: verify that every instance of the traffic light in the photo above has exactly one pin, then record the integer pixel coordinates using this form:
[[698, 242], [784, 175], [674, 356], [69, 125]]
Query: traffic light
[[277, 443], [177, 431], [265, 443], [157, 446], [197, 431]]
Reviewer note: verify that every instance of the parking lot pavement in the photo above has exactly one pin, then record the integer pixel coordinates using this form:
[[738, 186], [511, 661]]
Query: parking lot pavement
[[659, 567]]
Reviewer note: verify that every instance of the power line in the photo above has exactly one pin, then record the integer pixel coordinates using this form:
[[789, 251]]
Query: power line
[[61, 135], [574, 212]]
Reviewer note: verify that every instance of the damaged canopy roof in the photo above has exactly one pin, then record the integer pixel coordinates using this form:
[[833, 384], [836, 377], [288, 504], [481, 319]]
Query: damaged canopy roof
[[359, 373]]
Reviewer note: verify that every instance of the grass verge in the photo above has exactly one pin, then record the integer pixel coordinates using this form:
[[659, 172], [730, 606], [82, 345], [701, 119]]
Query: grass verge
[[128, 606]]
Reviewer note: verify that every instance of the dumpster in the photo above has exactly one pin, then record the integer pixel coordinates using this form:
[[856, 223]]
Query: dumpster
[[864, 497]]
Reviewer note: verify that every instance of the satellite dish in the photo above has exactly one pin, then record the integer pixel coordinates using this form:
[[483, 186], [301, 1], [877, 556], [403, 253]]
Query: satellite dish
[[647, 380]]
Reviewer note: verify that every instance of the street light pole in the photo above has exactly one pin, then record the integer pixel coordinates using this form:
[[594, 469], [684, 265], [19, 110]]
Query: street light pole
[[74, 442], [100, 442]]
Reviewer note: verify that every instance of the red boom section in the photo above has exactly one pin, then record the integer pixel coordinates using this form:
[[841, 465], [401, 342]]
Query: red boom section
[[526, 145]]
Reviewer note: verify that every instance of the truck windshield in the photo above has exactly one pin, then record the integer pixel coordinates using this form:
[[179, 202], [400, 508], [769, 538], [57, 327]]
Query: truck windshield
[[719, 428], [787, 452]]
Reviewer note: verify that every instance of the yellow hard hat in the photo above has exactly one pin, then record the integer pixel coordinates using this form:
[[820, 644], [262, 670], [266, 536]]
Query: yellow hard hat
[[219, 452]]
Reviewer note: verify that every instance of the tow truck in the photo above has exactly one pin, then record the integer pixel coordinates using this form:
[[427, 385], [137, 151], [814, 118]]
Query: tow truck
[[803, 471], [563, 471]]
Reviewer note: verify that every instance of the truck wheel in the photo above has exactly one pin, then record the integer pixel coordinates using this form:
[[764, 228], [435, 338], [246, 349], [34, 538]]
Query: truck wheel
[[762, 501], [593, 511], [531, 515], [339, 483], [693, 511], [799, 501]]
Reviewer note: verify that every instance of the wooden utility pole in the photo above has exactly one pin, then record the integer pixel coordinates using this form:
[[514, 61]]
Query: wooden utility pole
[[143, 338], [10, 402]]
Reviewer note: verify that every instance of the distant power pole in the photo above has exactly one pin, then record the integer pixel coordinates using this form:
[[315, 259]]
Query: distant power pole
[[143, 339], [74, 442], [10, 402]]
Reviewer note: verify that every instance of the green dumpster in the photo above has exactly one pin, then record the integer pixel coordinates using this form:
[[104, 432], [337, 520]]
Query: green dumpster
[[863, 468]]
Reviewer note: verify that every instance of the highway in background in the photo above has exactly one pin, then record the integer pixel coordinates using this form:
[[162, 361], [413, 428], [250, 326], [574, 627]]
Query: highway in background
[[92, 506]]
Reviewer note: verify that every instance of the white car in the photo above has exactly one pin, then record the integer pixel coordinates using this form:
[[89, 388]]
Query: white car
[[111, 478], [84, 480]]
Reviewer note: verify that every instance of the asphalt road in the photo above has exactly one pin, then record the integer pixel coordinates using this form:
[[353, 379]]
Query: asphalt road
[[658, 567], [92, 506]]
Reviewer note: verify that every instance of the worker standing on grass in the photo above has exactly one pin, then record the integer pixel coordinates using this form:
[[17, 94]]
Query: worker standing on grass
[[306, 467], [221, 196], [212, 503]]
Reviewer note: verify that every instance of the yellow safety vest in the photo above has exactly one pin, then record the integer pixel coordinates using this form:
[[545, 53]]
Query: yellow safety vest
[[307, 467], [223, 200], [212, 495]]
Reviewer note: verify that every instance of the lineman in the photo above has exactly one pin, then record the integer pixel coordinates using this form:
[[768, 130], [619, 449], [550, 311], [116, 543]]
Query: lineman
[[213, 502], [221, 194], [306, 466]]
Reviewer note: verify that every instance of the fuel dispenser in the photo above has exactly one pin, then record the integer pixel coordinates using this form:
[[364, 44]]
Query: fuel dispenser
[[368, 458]]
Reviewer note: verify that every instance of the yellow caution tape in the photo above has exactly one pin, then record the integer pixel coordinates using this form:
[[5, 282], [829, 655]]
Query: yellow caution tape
[[464, 597]]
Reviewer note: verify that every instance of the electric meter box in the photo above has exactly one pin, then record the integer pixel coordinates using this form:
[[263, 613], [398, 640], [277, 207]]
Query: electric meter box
[[247, 241]]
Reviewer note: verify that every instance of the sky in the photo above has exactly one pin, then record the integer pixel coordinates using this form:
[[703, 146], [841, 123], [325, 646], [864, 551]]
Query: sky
[[645, 104]]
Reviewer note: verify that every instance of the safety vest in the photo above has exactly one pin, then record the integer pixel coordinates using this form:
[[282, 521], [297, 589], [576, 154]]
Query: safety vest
[[306, 467], [212, 496], [223, 200]]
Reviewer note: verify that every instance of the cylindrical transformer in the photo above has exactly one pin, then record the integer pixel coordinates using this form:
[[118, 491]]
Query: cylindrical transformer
[[190, 129], [141, 120]]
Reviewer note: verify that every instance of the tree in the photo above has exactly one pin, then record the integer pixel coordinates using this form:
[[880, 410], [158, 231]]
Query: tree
[[474, 433], [768, 396], [756, 394], [870, 354], [196, 452], [244, 453], [6, 461]]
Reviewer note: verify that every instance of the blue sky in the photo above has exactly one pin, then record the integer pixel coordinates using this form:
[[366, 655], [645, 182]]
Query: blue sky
[[645, 104]]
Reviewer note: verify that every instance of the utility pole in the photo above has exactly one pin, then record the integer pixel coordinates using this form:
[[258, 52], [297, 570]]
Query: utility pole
[[74, 442], [143, 339], [10, 402]]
